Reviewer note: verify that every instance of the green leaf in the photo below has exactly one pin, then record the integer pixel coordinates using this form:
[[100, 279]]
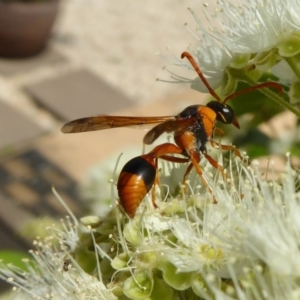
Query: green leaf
[[295, 149], [255, 142], [15, 258], [86, 259], [161, 291], [295, 93], [254, 151], [261, 107]]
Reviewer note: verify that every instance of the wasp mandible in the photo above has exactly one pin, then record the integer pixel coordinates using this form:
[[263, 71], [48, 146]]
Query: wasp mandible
[[192, 129]]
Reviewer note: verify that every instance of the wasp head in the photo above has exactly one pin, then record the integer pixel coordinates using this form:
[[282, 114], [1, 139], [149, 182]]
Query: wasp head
[[225, 113]]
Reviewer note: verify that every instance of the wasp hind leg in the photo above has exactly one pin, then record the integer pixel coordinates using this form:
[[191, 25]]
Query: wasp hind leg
[[140, 174], [155, 184]]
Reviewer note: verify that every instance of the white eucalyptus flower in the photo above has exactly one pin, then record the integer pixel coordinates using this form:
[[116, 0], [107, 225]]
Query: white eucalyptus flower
[[250, 26], [244, 41], [243, 35], [239, 239], [245, 246], [212, 58], [294, 11], [55, 273]]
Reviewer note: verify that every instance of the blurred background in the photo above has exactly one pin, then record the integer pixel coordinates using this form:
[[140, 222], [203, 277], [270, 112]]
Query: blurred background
[[99, 57], [62, 60]]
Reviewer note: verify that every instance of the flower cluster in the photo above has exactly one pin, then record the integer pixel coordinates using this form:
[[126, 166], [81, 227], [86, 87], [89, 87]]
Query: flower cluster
[[247, 41], [237, 239], [244, 247]]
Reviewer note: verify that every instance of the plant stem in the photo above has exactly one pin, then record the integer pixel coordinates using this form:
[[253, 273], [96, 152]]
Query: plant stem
[[291, 62], [274, 96]]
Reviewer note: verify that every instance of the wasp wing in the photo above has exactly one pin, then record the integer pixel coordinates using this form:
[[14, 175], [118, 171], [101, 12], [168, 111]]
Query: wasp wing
[[106, 122], [176, 124]]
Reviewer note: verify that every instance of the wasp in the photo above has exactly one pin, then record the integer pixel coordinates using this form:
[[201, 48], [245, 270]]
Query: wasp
[[192, 129]]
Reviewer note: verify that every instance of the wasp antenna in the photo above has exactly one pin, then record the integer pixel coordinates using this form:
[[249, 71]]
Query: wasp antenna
[[254, 88], [197, 69]]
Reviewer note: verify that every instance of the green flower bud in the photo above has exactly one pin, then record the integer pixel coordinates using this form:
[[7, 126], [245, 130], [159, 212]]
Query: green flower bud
[[120, 261], [178, 280], [289, 46], [240, 60], [132, 234], [139, 286], [92, 221]]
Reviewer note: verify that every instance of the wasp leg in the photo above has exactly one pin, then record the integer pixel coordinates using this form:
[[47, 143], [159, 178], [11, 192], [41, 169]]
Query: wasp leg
[[195, 159], [216, 165], [217, 145], [166, 148], [162, 151], [219, 131], [175, 159], [156, 183], [181, 161], [187, 172]]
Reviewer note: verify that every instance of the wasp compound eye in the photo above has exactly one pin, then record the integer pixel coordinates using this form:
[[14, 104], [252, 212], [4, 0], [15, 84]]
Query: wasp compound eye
[[225, 113]]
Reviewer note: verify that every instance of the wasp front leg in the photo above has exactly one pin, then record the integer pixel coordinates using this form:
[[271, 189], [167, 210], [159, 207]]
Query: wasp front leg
[[217, 145], [219, 131]]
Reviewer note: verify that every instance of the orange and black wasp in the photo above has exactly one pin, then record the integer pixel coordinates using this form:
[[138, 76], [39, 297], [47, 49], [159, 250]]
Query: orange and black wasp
[[192, 129]]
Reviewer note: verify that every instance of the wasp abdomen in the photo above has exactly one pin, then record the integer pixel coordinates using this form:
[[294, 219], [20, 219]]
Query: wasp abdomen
[[135, 181]]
